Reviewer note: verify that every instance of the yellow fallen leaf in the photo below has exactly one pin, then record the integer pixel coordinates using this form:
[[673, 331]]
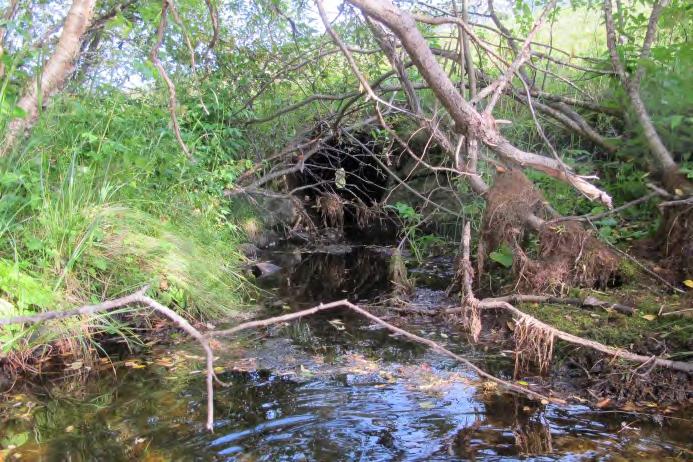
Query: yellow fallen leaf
[[75, 365], [523, 383], [218, 369], [688, 283], [69, 429], [134, 365], [649, 317]]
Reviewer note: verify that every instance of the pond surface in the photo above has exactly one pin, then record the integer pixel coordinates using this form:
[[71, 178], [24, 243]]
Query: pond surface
[[329, 388]]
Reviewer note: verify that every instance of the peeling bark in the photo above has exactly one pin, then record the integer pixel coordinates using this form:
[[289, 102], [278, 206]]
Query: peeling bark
[[54, 72]]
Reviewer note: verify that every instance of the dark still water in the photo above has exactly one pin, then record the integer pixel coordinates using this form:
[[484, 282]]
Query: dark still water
[[329, 388]]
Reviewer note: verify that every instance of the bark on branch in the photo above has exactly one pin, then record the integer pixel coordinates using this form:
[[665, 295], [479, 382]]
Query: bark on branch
[[53, 74], [467, 119]]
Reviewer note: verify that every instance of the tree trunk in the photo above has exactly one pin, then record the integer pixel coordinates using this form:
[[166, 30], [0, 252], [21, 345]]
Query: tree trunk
[[56, 70], [661, 154]]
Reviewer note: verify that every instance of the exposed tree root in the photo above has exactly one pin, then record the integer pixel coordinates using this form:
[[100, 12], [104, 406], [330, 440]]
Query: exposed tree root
[[574, 339], [568, 256], [676, 239], [534, 338], [403, 284], [533, 347]]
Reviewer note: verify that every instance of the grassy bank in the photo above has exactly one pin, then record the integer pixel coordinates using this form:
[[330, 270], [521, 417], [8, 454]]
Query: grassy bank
[[99, 202]]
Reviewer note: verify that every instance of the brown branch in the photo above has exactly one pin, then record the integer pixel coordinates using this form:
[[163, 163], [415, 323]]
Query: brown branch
[[521, 56], [138, 297], [214, 17], [657, 147], [154, 58], [467, 119], [184, 31], [575, 340], [424, 341], [589, 302], [100, 21], [597, 216]]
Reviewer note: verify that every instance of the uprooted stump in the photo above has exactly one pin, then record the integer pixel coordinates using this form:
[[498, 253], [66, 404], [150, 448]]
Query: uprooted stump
[[675, 239], [511, 199], [568, 255]]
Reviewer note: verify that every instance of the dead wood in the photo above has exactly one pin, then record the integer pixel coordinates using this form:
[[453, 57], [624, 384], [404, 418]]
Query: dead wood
[[137, 298], [467, 119], [154, 58], [587, 302], [659, 151], [575, 340], [528, 320]]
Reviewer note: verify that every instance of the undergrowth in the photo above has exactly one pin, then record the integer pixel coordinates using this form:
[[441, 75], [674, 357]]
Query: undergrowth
[[101, 202]]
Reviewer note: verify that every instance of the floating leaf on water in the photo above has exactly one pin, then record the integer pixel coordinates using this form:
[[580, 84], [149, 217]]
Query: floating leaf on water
[[427, 405]]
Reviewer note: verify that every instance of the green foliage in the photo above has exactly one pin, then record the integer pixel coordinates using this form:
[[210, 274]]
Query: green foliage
[[503, 255], [102, 202]]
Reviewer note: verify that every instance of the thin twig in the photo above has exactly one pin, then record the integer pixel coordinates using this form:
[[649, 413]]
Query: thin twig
[[154, 58]]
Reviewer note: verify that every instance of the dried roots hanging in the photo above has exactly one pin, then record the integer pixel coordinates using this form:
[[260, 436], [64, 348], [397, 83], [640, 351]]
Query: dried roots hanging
[[403, 285], [533, 347], [332, 210]]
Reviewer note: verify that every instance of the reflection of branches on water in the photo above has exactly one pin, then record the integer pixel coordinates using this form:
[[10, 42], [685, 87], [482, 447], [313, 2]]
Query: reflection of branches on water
[[322, 275], [531, 433]]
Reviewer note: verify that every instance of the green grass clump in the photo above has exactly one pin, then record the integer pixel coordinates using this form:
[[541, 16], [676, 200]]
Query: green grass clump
[[99, 203]]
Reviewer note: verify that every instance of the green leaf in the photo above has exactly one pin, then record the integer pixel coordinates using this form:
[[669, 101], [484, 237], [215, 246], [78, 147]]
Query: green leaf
[[503, 255]]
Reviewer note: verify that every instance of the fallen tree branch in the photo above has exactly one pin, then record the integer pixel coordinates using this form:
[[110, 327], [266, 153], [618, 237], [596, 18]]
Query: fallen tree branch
[[430, 343], [138, 297], [575, 340], [588, 217], [472, 304], [590, 302], [467, 119], [502, 303]]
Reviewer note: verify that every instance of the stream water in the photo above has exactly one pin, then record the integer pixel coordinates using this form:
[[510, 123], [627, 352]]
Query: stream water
[[329, 388]]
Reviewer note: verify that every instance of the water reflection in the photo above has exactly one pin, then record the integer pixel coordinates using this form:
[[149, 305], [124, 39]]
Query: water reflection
[[408, 404]]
